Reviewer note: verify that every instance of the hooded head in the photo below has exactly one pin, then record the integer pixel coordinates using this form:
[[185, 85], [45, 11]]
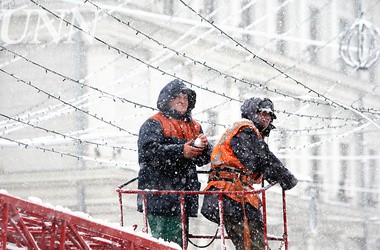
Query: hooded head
[[169, 92], [255, 105]]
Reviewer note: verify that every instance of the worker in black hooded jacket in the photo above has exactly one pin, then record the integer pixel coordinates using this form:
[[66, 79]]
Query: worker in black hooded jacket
[[240, 159], [168, 160]]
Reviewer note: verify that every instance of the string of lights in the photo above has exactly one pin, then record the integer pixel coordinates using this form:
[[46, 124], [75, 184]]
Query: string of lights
[[247, 5], [276, 39], [160, 59], [286, 33], [340, 187], [134, 72], [204, 63], [328, 126], [80, 141], [272, 65], [29, 109], [81, 82], [316, 129], [114, 97], [16, 58], [321, 130], [322, 141], [301, 56], [112, 10], [59, 99], [197, 62], [323, 118], [40, 115], [212, 108], [320, 47], [137, 33], [128, 55], [61, 153], [57, 41], [32, 32], [323, 122], [225, 125]]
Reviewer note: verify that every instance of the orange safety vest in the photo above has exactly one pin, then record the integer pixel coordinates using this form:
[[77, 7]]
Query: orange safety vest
[[227, 173], [178, 128]]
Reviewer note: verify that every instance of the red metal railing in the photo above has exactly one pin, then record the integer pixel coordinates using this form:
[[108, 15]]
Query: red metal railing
[[32, 226], [222, 237]]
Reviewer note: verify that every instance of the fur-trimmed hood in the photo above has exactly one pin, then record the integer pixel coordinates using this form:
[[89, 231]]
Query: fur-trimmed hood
[[169, 92], [250, 109]]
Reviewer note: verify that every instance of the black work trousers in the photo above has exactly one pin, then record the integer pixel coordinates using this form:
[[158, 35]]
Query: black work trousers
[[234, 220], [235, 230]]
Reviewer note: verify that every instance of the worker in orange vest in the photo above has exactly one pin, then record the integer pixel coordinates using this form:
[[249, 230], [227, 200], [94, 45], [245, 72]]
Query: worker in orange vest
[[240, 159], [168, 157]]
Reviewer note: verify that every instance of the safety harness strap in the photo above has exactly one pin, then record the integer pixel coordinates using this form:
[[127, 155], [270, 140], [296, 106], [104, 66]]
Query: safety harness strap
[[231, 174]]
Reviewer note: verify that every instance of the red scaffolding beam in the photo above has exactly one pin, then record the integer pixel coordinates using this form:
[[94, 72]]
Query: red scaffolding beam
[[33, 226]]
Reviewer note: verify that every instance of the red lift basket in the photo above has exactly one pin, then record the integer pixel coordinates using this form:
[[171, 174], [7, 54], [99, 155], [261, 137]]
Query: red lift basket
[[32, 226], [283, 239]]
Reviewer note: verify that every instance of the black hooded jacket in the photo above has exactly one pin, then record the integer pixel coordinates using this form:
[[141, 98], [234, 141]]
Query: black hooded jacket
[[162, 163], [254, 153]]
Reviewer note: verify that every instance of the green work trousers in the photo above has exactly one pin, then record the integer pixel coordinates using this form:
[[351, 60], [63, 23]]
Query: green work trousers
[[167, 227]]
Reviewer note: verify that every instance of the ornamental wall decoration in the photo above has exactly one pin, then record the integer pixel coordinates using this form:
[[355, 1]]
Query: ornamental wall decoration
[[359, 45]]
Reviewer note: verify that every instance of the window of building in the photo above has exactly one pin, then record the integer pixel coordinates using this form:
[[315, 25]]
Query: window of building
[[168, 7], [342, 195], [315, 186], [315, 169], [372, 197], [245, 14], [246, 19], [343, 26], [281, 27], [314, 33], [209, 7]]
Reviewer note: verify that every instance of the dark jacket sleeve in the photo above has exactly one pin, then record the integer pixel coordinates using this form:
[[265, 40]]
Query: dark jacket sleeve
[[255, 155], [154, 146]]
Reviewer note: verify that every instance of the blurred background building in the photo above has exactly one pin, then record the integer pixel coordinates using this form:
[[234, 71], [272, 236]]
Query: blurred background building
[[80, 77]]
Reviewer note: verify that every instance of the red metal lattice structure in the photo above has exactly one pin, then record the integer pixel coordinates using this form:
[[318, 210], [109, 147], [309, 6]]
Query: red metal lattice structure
[[283, 238], [33, 226]]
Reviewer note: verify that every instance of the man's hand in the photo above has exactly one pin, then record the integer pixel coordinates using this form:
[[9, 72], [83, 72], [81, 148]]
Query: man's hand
[[190, 151], [203, 141]]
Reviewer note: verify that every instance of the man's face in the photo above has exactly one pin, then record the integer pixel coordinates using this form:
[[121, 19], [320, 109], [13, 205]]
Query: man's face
[[180, 103], [265, 119]]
